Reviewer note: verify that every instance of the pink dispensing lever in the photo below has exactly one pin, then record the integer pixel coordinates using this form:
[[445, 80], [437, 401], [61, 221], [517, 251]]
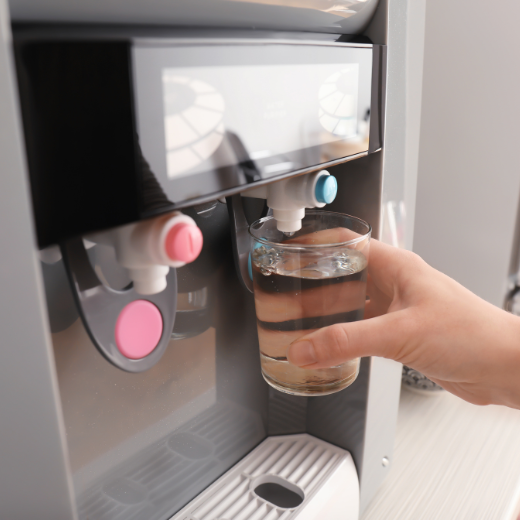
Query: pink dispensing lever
[[130, 330]]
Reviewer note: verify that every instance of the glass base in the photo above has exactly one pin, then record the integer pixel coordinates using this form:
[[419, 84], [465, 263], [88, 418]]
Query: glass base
[[311, 389]]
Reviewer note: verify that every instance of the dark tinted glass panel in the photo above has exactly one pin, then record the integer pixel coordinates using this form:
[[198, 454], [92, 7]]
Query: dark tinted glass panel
[[212, 117]]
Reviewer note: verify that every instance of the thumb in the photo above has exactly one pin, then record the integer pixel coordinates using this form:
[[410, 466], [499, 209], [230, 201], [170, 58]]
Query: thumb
[[383, 336]]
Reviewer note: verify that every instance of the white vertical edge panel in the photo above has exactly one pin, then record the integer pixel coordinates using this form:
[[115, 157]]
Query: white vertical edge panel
[[381, 418], [400, 25], [405, 41], [34, 478]]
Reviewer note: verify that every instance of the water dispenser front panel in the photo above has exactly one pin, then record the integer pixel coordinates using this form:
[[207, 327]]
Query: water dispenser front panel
[[121, 129]]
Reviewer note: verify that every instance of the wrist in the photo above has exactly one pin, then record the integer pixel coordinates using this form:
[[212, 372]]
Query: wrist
[[508, 362]]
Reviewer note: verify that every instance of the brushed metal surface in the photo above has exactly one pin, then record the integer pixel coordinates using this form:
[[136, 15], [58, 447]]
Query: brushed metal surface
[[333, 16]]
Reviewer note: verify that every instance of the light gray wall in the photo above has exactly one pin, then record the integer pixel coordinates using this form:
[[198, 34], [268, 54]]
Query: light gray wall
[[469, 167], [33, 475]]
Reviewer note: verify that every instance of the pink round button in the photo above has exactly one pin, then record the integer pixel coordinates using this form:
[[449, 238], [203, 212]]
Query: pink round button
[[138, 329], [183, 242]]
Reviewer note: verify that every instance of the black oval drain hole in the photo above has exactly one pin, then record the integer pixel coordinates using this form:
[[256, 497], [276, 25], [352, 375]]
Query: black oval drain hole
[[278, 495]]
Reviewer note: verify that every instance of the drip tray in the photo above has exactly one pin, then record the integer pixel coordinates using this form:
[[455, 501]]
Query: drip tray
[[285, 477]]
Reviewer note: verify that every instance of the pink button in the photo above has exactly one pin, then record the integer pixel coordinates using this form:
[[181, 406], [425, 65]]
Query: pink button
[[138, 329], [183, 242]]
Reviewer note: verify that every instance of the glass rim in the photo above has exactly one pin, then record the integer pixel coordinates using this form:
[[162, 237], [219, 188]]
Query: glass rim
[[354, 241]]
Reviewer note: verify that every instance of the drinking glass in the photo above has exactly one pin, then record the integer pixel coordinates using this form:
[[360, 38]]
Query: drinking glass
[[303, 281]]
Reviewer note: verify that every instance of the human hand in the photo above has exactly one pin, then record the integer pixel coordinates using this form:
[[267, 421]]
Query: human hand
[[427, 321]]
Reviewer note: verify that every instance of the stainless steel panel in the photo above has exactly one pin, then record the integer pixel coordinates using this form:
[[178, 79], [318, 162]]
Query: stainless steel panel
[[143, 445]]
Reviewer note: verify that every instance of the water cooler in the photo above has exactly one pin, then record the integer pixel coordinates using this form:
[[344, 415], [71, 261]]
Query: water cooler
[[135, 137]]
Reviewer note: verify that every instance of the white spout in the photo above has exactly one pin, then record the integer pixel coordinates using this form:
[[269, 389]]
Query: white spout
[[289, 220], [149, 248], [288, 198]]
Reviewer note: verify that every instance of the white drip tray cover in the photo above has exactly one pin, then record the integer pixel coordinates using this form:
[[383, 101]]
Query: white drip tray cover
[[284, 478]]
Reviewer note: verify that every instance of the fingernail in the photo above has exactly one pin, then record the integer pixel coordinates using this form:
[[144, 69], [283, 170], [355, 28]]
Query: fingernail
[[301, 353]]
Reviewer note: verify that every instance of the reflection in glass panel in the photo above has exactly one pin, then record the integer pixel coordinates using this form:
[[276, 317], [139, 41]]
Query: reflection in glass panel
[[142, 445], [106, 408], [214, 118], [193, 112], [293, 107], [338, 102], [343, 8]]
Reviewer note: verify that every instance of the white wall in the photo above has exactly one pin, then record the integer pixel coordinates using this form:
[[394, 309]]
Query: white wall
[[469, 165]]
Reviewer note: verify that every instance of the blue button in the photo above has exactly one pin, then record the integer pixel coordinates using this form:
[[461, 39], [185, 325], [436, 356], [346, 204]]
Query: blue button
[[326, 189]]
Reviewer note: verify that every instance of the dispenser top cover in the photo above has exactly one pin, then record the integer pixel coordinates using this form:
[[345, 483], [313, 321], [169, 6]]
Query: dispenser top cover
[[332, 16]]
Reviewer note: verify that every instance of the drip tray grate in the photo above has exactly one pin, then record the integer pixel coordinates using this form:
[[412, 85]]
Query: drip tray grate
[[284, 478]]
